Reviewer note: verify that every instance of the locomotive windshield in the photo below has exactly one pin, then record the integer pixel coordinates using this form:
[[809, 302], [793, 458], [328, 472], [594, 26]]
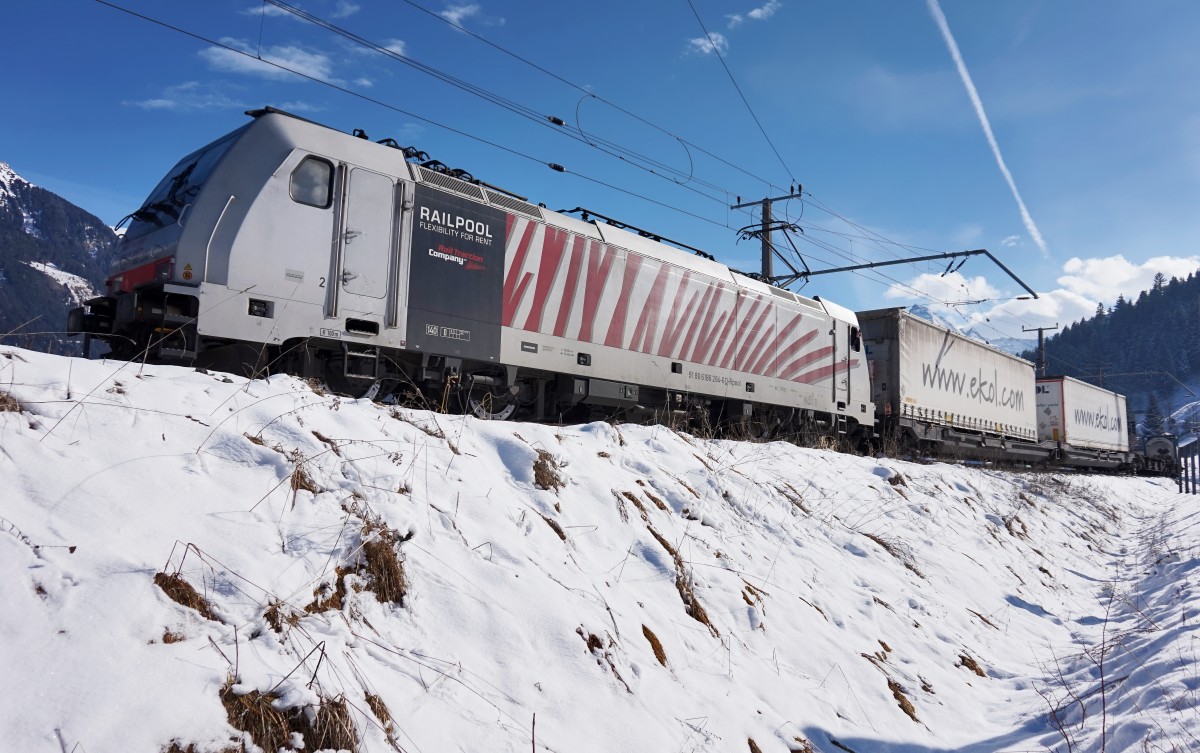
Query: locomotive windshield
[[180, 187]]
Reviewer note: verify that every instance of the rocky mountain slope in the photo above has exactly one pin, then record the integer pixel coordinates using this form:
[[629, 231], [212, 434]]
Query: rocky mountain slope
[[51, 254]]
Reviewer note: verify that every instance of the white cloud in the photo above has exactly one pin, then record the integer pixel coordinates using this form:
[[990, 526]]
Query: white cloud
[[298, 107], [188, 96], [949, 288], [761, 13], [395, 45], [364, 83], [314, 64], [342, 9], [1011, 241], [1106, 278], [1084, 284], [714, 42], [765, 11], [456, 14], [266, 9]]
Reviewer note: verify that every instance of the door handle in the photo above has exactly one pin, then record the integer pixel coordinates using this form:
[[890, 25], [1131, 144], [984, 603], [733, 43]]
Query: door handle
[[350, 235]]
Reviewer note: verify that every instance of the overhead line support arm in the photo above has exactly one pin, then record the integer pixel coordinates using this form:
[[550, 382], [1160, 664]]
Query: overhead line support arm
[[931, 257]]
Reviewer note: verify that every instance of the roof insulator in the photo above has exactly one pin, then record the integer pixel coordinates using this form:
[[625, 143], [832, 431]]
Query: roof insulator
[[556, 120], [556, 167]]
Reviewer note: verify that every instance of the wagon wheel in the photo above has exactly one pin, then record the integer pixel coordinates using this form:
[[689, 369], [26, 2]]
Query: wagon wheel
[[486, 401]]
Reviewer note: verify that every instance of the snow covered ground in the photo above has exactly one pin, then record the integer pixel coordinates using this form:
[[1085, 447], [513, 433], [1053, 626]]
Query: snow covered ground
[[570, 589]]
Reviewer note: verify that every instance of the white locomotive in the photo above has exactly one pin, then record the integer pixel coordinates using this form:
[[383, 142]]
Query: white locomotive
[[289, 246]]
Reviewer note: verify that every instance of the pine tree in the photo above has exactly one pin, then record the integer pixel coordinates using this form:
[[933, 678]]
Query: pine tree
[[1153, 423]]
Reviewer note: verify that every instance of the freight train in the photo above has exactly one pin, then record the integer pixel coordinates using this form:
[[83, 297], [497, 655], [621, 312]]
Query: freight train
[[288, 246]]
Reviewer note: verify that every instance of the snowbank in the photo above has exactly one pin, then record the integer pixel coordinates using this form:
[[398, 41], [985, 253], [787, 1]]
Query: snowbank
[[593, 588]]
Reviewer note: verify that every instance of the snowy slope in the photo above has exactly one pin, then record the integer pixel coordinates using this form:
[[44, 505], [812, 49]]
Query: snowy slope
[[799, 599], [76, 288]]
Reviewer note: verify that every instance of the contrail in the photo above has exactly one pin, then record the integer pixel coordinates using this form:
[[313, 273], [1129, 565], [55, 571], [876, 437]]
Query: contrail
[[936, 10]]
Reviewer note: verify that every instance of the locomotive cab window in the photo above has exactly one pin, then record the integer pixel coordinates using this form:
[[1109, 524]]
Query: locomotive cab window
[[312, 182], [855, 339]]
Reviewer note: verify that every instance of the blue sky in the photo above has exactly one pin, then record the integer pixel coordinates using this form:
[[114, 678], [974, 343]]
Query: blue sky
[[1092, 107]]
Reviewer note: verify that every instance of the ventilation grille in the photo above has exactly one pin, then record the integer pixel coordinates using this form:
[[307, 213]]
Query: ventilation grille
[[447, 183], [514, 205]]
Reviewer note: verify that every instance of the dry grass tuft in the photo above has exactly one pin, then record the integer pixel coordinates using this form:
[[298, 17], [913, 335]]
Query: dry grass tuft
[[800, 745], [753, 745], [657, 502], [983, 619], [545, 472], [382, 566], [279, 614], [593, 641], [555, 526], [301, 478], [664, 543], [255, 714], [381, 712], [255, 440], [170, 637], [683, 583], [333, 446], [965, 660], [896, 550], [9, 404], [897, 479], [641, 508], [905, 704], [603, 454], [330, 596], [181, 592], [317, 386], [328, 727], [177, 747], [691, 603], [655, 645]]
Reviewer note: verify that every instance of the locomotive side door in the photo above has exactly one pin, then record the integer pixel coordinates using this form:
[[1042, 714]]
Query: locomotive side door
[[841, 364], [365, 238]]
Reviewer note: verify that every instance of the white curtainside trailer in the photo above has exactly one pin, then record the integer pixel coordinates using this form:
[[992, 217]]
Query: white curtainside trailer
[[948, 391], [1087, 424]]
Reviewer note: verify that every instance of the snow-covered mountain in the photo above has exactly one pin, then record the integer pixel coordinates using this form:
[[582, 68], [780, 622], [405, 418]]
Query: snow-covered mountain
[[52, 254], [15, 201], [45, 215], [194, 562], [962, 325]]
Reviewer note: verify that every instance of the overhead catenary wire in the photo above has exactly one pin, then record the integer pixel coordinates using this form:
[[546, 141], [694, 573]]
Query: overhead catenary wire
[[717, 52], [407, 113], [589, 93], [630, 156]]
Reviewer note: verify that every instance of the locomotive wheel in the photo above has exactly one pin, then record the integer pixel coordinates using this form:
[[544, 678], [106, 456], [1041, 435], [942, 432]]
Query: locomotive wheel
[[485, 401]]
